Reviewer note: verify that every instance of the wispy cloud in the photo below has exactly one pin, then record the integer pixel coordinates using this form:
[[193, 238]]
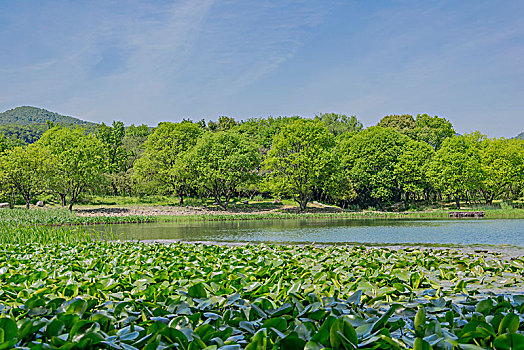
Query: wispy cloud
[[164, 60]]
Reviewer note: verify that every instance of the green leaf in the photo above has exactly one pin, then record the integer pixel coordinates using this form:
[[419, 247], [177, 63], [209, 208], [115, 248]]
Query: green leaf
[[484, 306], [259, 340], [509, 341], [278, 323], [420, 317], [9, 329], [509, 324], [421, 344], [197, 291], [342, 332]]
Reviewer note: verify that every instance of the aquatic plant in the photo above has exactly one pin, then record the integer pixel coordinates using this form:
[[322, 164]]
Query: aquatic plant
[[111, 295], [64, 217]]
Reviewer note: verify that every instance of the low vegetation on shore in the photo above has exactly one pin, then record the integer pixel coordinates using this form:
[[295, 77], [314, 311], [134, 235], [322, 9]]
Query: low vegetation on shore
[[143, 214]]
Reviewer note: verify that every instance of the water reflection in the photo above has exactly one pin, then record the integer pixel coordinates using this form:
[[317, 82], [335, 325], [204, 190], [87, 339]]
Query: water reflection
[[474, 231]]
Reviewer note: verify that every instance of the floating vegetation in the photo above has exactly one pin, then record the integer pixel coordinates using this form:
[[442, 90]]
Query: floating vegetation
[[112, 295]]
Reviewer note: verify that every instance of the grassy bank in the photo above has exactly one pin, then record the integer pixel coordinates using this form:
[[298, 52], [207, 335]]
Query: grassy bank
[[21, 226], [58, 217], [438, 214], [137, 296]]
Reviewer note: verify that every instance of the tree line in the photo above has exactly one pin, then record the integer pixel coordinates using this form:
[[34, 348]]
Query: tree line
[[331, 158]]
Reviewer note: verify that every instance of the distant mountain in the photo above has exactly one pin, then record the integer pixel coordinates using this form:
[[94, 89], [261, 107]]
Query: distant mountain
[[520, 136], [27, 115], [27, 124]]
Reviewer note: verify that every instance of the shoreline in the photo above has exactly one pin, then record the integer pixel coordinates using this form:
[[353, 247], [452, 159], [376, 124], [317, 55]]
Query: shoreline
[[188, 213]]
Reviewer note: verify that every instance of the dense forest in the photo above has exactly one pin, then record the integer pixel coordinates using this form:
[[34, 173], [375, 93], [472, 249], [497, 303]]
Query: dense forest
[[27, 124], [330, 158], [27, 115]]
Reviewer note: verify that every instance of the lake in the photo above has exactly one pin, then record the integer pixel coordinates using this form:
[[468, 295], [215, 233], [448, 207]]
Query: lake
[[460, 231]]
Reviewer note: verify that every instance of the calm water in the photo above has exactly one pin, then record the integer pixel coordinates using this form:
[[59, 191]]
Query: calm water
[[476, 231]]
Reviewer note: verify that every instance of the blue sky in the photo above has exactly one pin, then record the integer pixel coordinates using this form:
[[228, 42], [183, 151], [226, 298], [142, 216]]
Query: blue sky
[[145, 62]]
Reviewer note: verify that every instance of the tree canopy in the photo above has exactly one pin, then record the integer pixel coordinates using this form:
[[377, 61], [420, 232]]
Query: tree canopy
[[330, 158], [27, 169], [301, 160], [220, 162], [370, 158], [78, 162], [162, 162]]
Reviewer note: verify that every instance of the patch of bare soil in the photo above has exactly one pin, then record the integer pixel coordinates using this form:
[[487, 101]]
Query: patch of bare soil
[[190, 210]]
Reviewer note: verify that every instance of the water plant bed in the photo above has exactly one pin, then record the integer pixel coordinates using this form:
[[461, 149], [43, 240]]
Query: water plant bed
[[125, 295], [60, 217]]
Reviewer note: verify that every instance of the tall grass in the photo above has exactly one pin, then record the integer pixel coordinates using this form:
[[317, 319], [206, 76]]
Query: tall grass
[[57, 217], [290, 216], [24, 234], [50, 226]]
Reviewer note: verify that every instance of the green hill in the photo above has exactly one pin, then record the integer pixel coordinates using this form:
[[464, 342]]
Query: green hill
[[27, 115], [520, 136], [27, 124]]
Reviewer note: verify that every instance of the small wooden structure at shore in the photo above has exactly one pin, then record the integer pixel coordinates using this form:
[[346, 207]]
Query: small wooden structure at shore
[[466, 214]]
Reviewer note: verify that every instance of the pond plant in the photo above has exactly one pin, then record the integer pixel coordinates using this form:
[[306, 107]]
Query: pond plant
[[129, 295]]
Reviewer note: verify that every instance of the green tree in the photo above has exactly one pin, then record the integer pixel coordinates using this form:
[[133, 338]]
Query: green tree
[[162, 163], [404, 123], [134, 146], [134, 142], [78, 162], [410, 169], [432, 130], [7, 143], [301, 160], [502, 166], [370, 159], [263, 130], [338, 124], [115, 154], [221, 162], [27, 170], [456, 169], [224, 123]]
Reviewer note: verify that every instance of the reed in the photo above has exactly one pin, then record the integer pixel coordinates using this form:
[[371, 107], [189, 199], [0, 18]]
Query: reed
[[59, 217], [40, 234]]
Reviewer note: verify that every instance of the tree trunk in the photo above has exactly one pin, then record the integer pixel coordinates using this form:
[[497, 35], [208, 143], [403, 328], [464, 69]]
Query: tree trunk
[[303, 204], [63, 199], [302, 201], [457, 201], [180, 199], [222, 205], [71, 203], [115, 189], [12, 201], [27, 203]]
